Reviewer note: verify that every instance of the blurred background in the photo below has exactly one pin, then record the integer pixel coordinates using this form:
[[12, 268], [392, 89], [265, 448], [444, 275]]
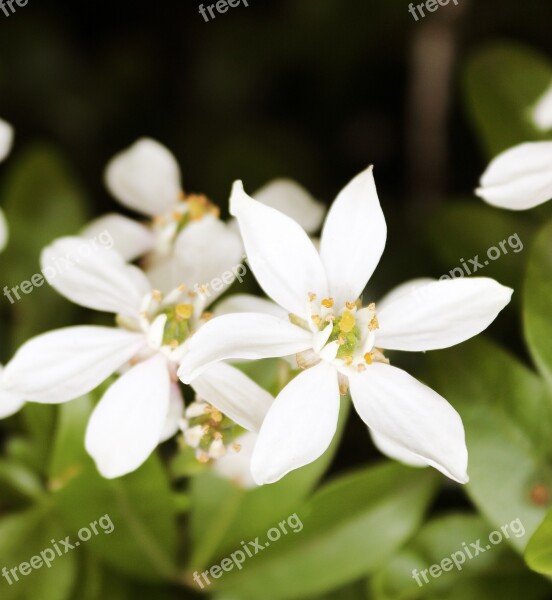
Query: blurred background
[[314, 90]]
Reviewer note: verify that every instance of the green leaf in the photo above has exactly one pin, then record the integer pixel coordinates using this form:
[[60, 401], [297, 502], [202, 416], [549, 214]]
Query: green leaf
[[350, 528], [488, 242], [23, 536], [223, 514], [141, 506], [42, 201], [507, 416], [537, 302], [493, 572], [538, 553], [502, 83]]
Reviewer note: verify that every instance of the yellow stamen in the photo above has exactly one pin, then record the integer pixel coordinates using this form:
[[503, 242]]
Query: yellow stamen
[[207, 316], [350, 305], [368, 358], [328, 302], [236, 447], [312, 296]]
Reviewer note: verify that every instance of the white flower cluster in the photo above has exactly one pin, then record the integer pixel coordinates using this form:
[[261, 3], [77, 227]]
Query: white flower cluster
[[316, 318]]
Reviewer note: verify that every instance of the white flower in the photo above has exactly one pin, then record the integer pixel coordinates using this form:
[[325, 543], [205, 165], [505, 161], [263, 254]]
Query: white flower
[[6, 141], [144, 405], [542, 111], [10, 403], [339, 342], [519, 178]]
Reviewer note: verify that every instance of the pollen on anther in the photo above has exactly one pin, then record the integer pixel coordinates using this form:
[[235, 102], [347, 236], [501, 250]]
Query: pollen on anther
[[328, 302], [184, 311], [368, 358], [350, 305], [312, 296], [236, 447]]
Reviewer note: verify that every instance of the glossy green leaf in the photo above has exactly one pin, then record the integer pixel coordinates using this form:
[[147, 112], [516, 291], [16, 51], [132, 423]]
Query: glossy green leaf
[[502, 83], [350, 527], [507, 415], [538, 553], [537, 302]]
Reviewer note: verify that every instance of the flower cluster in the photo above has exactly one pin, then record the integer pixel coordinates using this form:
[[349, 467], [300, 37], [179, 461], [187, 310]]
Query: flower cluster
[[169, 330]]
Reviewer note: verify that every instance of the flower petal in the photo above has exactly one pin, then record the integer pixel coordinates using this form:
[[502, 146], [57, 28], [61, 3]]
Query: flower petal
[[440, 314], [353, 238], [208, 253], [9, 403], [6, 139], [413, 416], [299, 426], [130, 238], [412, 286], [126, 426], [3, 231], [240, 303], [236, 466], [145, 177], [94, 276], [280, 253], [244, 335], [234, 394], [395, 451], [66, 363], [519, 178], [542, 112], [293, 200], [174, 414]]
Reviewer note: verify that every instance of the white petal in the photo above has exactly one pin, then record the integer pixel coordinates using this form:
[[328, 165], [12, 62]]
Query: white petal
[[353, 238], [145, 177], [395, 451], [9, 403], [410, 287], [94, 276], [6, 139], [126, 426], [236, 466], [3, 231], [542, 112], [208, 253], [293, 200], [519, 178], [240, 303], [280, 254], [130, 238], [174, 416], [234, 394], [410, 414], [440, 314], [244, 335], [66, 363], [299, 426]]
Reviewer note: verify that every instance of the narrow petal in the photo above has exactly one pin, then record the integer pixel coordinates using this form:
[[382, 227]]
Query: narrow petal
[[234, 394], [299, 426], [145, 177], [281, 255], [66, 363], [3, 231], [413, 416], [126, 426], [396, 451], [440, 314], [293, 200], [240, 303], [353, 238], [9, 403], [519, 178], [6, 139], [176, 410], [236, 465], [94, 276], [244, 335], [542, 112], [208, 253], [130, 238]]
